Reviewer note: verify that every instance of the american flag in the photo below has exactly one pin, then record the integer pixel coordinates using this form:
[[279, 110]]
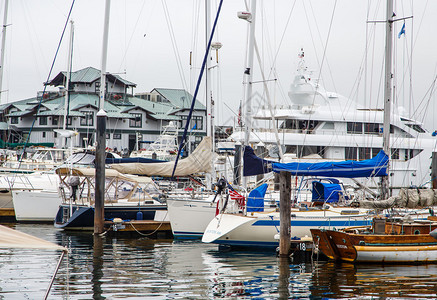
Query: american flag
[[236, 196]]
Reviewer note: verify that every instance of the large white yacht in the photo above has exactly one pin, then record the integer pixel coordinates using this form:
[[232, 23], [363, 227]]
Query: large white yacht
[[319, 125]]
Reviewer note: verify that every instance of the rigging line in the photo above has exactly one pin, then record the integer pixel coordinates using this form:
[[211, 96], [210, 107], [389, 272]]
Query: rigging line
[[123, 60], [197, 88], [283, 34], [323, 59], [174, 44], [320, 37], [45, 84]]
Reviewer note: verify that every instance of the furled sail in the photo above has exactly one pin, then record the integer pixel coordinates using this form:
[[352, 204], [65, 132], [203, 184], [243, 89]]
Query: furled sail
[[197, 162]]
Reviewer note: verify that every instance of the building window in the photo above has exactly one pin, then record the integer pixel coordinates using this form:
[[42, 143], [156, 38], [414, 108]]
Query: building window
[[55, 120], [197, 123], [56, 135], [136, 120], [183, 121], [116, 136], [87, 119], [43, 134], [108, 136], [97, 87], [42, 120], [69, 120], [14, 120], [354, 127]]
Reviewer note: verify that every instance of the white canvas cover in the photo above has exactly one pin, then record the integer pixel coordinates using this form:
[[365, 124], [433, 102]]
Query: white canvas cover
[[197, 162], [10, 238]]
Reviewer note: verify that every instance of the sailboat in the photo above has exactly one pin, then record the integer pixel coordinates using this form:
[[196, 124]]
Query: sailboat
[[388, 240]]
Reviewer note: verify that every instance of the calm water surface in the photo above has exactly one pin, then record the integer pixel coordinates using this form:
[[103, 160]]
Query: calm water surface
[[139, 268]]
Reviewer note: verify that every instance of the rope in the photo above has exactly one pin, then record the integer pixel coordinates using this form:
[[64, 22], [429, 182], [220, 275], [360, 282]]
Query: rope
[[148, 234]]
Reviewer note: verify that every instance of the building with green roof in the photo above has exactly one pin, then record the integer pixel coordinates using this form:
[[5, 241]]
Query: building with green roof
[[134, 120]]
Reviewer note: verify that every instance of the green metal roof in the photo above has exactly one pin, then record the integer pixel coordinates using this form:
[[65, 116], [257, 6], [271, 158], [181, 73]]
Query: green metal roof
[[179, 98], [87, 75]]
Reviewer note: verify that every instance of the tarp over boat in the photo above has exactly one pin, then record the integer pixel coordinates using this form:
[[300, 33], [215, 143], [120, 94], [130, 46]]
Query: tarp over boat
[[374, 167], [197, 162]]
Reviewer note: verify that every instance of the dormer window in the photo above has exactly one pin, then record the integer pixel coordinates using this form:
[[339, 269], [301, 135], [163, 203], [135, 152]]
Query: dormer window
[[42, 120]]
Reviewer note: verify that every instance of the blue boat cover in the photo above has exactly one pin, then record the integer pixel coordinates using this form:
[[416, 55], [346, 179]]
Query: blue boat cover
[[374, 167], [255, 200], [326, 192]]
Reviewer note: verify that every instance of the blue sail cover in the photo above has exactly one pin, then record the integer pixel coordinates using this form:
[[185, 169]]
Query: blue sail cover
[[374, 167], [255, 200], [253, 165]]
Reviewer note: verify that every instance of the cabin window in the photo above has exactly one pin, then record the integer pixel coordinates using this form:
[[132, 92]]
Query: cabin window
[[371, 128], [354, 127], [14, 120], [394, 153], [87, 119], [350, 153], [416, 127], [375, 151], [365, 153], [136, 120], [328, 126], [116, 136], [42, 120]]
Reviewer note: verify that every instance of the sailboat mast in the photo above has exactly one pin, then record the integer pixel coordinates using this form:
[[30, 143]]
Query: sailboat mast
[[67, 84], [2, 58], [248, 72], [387, 92]]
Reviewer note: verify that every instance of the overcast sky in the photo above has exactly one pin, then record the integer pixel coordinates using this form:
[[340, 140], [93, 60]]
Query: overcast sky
[[332, 33]]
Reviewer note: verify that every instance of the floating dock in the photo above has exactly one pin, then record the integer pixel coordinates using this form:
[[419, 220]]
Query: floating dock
[[7, 215], [147, 228]]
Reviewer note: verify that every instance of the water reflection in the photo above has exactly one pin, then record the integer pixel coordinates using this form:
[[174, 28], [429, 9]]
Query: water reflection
[[378, 281], [111, 268]]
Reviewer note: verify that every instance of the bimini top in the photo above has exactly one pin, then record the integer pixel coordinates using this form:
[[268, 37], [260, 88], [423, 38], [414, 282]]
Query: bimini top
[[374, 167]]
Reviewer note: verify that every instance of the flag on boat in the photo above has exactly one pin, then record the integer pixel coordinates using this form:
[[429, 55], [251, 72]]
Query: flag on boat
[[402, 32], [239, 115], [236, 196]]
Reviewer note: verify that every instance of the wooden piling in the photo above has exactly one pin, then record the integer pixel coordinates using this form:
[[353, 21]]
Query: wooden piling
[[434, 170], [284, 213]]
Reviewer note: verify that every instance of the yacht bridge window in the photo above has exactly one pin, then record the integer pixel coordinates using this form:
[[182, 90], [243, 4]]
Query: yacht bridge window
[[416, 127]]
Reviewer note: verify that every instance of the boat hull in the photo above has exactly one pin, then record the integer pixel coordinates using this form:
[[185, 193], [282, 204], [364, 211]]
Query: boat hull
[[82, 217], [263, 230], [35, 205], [370, 248], [189, 219]]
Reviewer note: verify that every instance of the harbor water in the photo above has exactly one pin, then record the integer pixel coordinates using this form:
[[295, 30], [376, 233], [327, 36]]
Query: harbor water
[[136, 267]]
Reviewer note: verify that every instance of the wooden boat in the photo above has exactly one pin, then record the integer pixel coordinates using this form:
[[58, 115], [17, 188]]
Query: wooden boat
[[386, 241]]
